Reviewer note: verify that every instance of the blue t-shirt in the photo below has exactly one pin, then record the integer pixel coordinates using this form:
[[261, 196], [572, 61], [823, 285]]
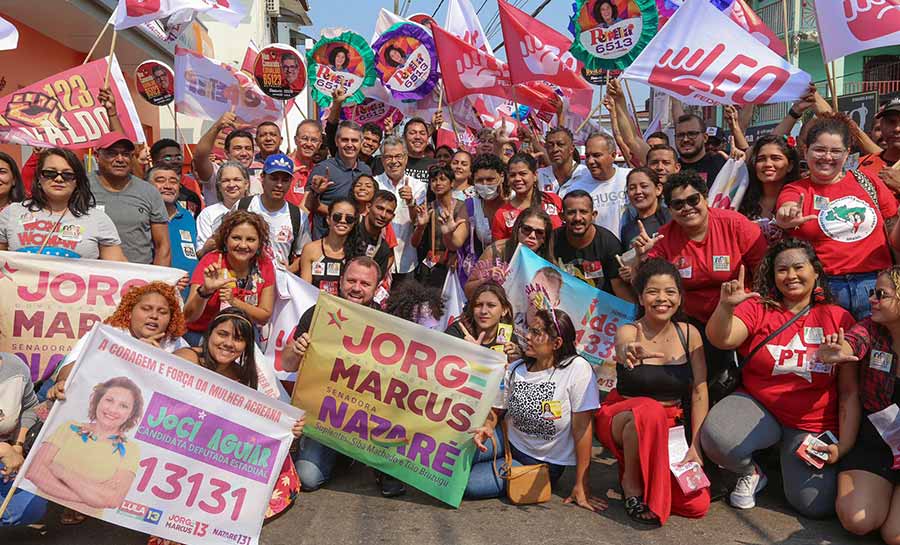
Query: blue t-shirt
[[182, 236]]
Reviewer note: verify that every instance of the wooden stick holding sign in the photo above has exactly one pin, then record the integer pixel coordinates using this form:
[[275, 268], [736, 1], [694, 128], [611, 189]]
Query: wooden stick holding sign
[[180, 132], [588, 117], [96, 43], [112, 48]]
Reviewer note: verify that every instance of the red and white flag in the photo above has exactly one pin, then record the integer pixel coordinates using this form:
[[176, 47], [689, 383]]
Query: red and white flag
[[468, 70], [9, 35], [743, 15], [857, 25], [703, 57], [462, 22], [131, 13], [536, 51], [250, 57]]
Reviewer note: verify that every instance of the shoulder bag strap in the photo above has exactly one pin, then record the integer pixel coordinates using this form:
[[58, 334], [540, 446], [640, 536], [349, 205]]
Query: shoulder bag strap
[[244, 204], [777, 332], [867, 186]]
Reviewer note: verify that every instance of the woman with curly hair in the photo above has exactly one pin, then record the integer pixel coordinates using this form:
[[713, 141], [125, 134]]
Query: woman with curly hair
[[236, 274], [417, 303], [786, 394], [533, 228], [61, 218], [771, 165], [339, 58], [853, 214], [487, 320]]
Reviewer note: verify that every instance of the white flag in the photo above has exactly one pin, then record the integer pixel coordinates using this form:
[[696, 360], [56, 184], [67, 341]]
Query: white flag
[[9, 36], [702, 57], [462, 22], [857, 26], [131, 13]]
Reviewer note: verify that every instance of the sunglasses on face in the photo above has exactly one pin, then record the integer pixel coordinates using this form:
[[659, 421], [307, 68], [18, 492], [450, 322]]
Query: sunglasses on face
[[48, 174], [349, 219], [880, 293], [692, 201], [527, 230]]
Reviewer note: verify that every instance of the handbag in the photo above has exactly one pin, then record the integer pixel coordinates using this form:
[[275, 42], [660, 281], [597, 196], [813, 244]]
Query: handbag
[[870, 190], [525, 485], [729, 381]]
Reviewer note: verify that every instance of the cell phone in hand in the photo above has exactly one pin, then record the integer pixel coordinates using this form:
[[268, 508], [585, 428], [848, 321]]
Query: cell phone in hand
[[810, 455]]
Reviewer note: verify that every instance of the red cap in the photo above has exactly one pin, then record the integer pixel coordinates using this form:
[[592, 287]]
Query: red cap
[[107, 140]]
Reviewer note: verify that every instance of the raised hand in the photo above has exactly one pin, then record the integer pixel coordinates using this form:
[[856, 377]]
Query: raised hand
[[318, 184], [406, 194], [626, 272], [338, 97], [448, 223], [635, 352], [790, 215], [733, 293], [835, 350], [421, 215], [468, 336], [437, 119], [108, 101], [214, 278], [297, 428], [644, 242], [388, 125]]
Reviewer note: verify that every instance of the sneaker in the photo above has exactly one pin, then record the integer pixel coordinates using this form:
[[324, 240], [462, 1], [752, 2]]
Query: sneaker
[[744, 494], [390, 487]]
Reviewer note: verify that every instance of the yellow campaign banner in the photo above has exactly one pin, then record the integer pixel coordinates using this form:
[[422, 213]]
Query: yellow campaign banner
[[48, 303], [396, 396]]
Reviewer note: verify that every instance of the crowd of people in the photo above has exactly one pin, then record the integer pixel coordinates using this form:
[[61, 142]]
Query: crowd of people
[[765, 331]]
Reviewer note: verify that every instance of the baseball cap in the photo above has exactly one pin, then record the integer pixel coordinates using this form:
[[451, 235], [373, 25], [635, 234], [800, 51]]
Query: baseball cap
[[892, 106], [715, 132], [112, 138], [278, 162]]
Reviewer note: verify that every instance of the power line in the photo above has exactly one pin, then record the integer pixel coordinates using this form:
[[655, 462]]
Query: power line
[[441, 3], [481, 7], [533, 14]]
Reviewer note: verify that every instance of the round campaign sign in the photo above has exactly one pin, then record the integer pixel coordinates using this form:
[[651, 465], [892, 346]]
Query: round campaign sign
[[406, 61], [155, 82], [610, 34], [279, 72], [343, 61]]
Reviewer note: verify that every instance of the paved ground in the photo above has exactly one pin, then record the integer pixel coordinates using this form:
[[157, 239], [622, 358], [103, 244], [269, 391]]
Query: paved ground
[[351, 511]]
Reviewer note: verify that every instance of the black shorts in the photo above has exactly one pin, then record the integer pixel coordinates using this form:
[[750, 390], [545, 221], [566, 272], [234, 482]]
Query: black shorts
[[871, 453]]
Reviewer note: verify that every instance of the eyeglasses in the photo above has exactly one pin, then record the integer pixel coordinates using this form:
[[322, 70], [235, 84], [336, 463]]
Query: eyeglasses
[[821, 153], [527, 230], [880, 293], [692, 201], [349, 219], [49, 175], [687, 134], [535, 332], [398, 157], [169, 158], [307, 139]]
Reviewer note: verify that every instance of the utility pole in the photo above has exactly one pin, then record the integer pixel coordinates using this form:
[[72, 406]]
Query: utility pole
[[396, 7]]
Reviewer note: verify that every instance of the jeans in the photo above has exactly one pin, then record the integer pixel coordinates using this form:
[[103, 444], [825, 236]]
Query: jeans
[[851, 291], [739, 425], [315, 464], [24, 507], [483, 482]]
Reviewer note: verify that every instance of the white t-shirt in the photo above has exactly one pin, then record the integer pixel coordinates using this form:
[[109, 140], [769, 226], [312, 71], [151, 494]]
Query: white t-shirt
[[405, 256], [547, 180], [208, 221], [610, 197], [539, 408], [209, 186], [281, 232]]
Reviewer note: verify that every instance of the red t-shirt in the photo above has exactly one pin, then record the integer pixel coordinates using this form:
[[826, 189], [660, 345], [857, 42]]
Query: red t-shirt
[[297, 193], [849, 236], [501, 226], [872, 164], [731, 241], [265, 277], [782, 376]]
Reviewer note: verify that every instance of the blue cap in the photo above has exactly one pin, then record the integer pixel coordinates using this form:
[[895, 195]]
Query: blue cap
[[278, 162]]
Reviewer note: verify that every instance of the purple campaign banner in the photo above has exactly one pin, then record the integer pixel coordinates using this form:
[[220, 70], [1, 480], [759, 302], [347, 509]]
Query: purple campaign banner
[[190, 431]]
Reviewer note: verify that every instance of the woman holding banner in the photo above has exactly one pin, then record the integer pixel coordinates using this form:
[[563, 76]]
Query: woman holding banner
[[228, 348], [786, 397], [236, 274], [60, 219], [11, 187], [660, 367], [546, 409], [487, 320], [533, 229], [232, 184]]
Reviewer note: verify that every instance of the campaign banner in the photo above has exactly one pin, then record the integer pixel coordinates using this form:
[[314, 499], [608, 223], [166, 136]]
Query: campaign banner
[[396, 396], [155, 443], [293, 297], [372, 110], [279, 72], [129, 13], [595, 314], [209, 88], [608, 37], [155, 82], [345, 60], [462, 21], [406, 61], [51, 302], [63, 110], [857, 25], [703, 57]]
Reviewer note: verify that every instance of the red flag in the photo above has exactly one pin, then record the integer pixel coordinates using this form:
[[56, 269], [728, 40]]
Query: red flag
[[467, 70], [250, 58], [742, 14], [537, 52]]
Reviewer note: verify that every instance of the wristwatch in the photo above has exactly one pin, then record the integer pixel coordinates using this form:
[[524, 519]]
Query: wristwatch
[[793, 113]]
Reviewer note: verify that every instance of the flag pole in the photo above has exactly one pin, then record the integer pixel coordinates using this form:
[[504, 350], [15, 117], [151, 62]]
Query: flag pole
[[832, 84], [631, 100], [112, 48], [96, 42], [784, 14], [9, 495], [589, 116], [287, 130], [184, 143], [303, 115]]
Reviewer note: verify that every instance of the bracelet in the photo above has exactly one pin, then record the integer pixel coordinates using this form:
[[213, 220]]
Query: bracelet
[[793, 113], [203, 295]]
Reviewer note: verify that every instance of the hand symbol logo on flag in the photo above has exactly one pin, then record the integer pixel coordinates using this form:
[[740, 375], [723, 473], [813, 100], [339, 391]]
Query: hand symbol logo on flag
[[871, 19], [682, 72], [475, 73], [139, 8]]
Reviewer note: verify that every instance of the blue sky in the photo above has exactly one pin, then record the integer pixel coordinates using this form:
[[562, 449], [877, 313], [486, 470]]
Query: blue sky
[[360, 15]]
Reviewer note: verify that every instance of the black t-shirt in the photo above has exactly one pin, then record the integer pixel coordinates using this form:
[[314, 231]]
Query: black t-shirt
[[708, 167], [595, 264], [631, 230], [305, 322], [418, 168], [372, 246]]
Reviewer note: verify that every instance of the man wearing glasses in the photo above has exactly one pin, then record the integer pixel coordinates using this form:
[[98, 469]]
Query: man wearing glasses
[[307, 141], [166, 152], [134, 206], [690, 140], [290, 70]]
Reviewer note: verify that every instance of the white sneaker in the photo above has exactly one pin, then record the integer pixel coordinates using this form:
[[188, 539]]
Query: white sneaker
[[744, 494]]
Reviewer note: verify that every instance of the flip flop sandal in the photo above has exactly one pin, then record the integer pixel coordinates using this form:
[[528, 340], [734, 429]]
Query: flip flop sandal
[[635, 508]]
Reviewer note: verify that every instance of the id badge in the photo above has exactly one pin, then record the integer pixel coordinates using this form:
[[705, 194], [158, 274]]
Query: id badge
[[881, 360], [813, 335], [721, 263], [820, 202], [318, 268]]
